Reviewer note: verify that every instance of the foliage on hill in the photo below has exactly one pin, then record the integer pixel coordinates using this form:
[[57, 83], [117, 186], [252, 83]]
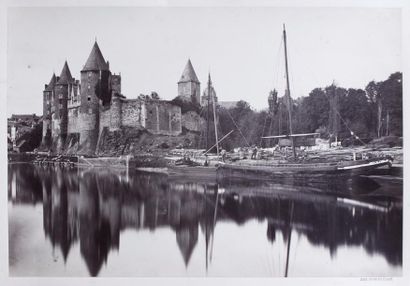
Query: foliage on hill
[[186, 105], [31, 139]]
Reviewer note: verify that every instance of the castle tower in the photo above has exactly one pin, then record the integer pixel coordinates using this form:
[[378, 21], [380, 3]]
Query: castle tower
[[115, 84], [189, 87], [48, 95], [95, 91], [59, 118]]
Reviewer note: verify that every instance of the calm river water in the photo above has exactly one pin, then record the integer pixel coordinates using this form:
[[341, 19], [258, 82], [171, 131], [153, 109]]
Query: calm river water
[[85, 222]]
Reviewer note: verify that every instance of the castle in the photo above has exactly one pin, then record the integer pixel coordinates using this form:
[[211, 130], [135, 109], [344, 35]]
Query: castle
[[80, 110]]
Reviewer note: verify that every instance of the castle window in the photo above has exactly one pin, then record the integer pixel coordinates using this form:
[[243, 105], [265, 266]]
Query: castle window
[[89, 98], [90, 111], [60, 96], [90, 74], [89, 87]]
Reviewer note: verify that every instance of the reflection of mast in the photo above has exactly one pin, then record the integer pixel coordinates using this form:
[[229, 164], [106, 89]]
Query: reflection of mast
[[206, 230], [290, 235], [209, 233], [214, 222]]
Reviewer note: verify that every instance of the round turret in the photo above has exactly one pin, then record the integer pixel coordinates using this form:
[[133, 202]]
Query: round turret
[[94, 89]]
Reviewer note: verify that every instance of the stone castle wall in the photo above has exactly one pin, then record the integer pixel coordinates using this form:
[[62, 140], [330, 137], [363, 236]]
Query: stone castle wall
[[158, 117], [116, 114], [73, 120], [131, 112], [46, 113], [192, 121], [163, 118], [105, 118]]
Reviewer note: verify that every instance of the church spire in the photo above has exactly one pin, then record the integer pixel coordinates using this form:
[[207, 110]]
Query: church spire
[[209, 79]]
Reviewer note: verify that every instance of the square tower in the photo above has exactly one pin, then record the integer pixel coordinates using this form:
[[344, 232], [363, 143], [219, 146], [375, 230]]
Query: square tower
[[189, 86]]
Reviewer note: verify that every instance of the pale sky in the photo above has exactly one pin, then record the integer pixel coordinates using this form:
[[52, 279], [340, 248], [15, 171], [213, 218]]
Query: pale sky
[[241, 47]]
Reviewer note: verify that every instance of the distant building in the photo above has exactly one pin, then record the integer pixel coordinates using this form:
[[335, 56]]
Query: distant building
[[29, 118], [209, 93], [204, 98], [227, 104], [19, 124]]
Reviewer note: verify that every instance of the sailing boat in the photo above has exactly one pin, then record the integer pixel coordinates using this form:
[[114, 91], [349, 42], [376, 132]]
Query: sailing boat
[[296, 167], [202, 167]]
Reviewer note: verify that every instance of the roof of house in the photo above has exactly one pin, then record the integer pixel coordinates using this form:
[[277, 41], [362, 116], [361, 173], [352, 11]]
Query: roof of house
[[95, 61], [188, 74]]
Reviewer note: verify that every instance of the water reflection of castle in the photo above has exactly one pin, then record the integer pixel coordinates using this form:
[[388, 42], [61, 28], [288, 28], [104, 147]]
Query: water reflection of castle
[[93, 208]]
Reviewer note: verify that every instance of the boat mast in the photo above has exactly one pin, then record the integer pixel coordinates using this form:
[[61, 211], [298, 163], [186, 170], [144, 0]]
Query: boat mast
[[288, 93], [207, 120], [214, 111]]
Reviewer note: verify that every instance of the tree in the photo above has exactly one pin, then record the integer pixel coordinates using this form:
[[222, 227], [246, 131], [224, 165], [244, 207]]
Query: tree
[[355, 111], [375, 111], [386, 101], [373, 92], [391, 96], [313, 111]]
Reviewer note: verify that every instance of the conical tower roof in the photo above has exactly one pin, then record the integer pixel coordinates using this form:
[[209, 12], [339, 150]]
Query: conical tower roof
[[95, 60], [65, 76], [52, 83], [189, 74]]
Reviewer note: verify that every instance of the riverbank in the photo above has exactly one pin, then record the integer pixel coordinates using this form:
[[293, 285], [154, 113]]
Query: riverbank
[[192, 157]]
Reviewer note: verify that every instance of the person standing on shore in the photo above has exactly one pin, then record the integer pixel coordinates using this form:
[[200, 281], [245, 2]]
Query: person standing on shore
[[223, 155]]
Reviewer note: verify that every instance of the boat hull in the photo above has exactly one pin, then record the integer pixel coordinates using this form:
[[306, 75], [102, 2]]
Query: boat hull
[[349, 168]]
